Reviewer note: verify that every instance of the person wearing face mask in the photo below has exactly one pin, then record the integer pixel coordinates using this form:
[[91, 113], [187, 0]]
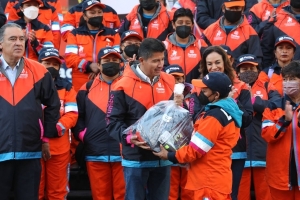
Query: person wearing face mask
[[84, 43], [261, 12], [261, 94], [215, 59], [286, 22], [130, 43], [284, 51], [209, 11], [233, 30], [48, 15], [71, 19], [280, 129], [102, 153], [38, 35], [149, 19], [182, 46], [178, 173], [54, 182], [215, 134], [142, 86]]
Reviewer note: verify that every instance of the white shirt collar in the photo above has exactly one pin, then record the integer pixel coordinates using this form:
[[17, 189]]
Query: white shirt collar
[[5, 65], [144, 76]]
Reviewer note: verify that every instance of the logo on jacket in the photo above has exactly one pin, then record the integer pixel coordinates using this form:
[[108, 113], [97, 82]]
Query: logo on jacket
[[192, 54], [258, 94], [23, 74], [235, 35], [80, 51], [267, 15], [136, 24], [155, 24], [290, 22], [174, 55], [218, 36], [160, 88]]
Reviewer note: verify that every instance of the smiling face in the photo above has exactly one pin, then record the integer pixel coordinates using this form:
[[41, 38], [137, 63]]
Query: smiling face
[[214, 62], [13, 44], [153, 65]]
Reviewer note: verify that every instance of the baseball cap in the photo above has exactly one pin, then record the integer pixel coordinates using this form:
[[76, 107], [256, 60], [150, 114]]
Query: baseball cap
[[47, 53], [91, 3], [25, 1], [247, 58], [285, 38], [216, 81], [174, 70], [108, 51], [130, 33], [233, 3], [226, 49]]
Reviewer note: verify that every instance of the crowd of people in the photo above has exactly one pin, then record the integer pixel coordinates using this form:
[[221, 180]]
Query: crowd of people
[[236, 58]]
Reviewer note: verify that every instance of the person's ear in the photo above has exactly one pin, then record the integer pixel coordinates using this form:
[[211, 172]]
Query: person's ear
[[217, 96], [223, 8], [141, 59], [173, 24]]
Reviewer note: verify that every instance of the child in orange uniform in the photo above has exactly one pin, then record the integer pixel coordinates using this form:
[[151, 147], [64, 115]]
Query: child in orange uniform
[[55, 171]]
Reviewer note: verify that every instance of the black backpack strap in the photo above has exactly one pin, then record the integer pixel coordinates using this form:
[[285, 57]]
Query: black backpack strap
[[88, 86]]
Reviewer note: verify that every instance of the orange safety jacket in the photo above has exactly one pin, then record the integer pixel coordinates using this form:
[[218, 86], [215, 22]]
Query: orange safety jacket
[[82, 50], [48, 15], [44, 37], [72, 19]]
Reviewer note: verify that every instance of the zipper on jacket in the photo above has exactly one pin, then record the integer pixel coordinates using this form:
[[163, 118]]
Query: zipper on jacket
[[108, 149], [290, 159], [184, 62], [14, 121], [154, 104]]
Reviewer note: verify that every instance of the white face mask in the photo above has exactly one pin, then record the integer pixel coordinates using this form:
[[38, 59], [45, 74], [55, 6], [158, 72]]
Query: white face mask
[[31, 12]]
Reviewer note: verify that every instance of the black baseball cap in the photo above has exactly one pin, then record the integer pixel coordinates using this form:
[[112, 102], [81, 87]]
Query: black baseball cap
[[226, 49], [91, 3], [247, 58], [47, 53], [285, 38], [174, 70], [108, 51], [216, 81], [131, 33]]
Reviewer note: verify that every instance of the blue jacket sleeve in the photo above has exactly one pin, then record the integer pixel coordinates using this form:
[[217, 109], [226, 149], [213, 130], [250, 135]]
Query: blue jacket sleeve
[[267, 44], [245, 105], [80, 125], [250, 4], [124, 26], [116, 115], [255, 48], [50, 99], [256, 23]]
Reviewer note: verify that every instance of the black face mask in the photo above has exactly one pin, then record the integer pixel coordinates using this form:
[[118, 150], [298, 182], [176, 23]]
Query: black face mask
[[295, 4], [248, 76], [110, 69], [131, 49], [148, 4], [96, 21], [232, 16], [204, 99], [54, 72], [183, 31]]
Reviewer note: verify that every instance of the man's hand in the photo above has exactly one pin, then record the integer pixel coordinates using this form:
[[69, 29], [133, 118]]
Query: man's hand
[[95, 67], [288, 111], [46, 151], [163, 154], [178, 99], [134, 140]]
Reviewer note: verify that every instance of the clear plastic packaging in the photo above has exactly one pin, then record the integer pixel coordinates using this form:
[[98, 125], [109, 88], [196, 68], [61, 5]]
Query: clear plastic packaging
[[165, 123]]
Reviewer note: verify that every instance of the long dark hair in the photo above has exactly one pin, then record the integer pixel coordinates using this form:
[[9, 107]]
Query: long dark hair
[[228, 69]]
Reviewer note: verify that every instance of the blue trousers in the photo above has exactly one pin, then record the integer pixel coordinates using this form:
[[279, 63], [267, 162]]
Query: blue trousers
[[150, 183]]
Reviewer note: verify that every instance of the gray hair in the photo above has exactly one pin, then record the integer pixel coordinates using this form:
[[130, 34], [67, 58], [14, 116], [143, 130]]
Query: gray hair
[[8, 25]]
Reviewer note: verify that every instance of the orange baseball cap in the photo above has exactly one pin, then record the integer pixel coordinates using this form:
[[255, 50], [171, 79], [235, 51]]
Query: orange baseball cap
[[233, 3]]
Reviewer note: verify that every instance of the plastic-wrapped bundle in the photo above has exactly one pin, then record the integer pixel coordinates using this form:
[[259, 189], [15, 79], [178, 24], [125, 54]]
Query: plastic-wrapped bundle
[[165, 123]]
